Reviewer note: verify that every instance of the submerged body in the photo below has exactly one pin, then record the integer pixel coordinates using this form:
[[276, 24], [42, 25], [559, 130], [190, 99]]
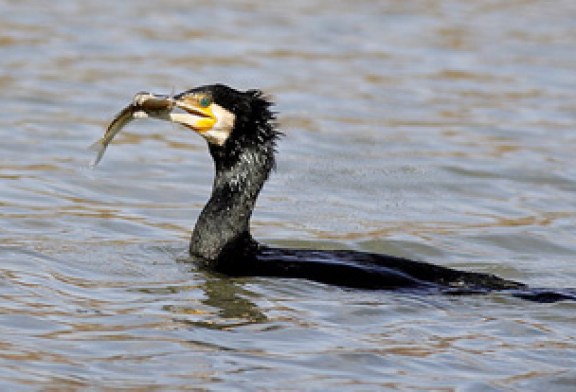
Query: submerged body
[[241, 133]]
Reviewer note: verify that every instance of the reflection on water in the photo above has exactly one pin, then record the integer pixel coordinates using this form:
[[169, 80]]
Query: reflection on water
[[437, 130]]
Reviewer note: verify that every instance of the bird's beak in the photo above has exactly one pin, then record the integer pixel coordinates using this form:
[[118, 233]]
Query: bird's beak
[[192, 114], [181, 109], [194, 110]]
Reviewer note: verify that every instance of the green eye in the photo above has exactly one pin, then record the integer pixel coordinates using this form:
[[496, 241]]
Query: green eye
[[204, 102]]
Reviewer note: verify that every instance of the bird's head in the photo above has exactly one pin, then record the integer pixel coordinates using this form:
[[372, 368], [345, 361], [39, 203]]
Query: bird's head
[[225, 116]]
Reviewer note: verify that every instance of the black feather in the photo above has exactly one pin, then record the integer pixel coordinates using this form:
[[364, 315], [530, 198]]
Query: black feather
[[221, 239]]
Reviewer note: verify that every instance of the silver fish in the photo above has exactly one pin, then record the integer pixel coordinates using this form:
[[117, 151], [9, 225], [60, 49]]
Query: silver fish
[[143, 105]]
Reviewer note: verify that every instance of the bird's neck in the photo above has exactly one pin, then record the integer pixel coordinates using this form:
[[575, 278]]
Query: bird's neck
[[223, 227]]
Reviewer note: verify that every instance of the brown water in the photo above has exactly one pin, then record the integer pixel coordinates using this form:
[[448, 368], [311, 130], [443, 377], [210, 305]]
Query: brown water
[[436, 130]]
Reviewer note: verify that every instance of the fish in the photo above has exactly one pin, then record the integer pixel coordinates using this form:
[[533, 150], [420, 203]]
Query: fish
[[143, 105]]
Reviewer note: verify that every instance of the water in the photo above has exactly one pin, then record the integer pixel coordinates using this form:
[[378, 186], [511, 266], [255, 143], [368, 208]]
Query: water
[[437, 130]]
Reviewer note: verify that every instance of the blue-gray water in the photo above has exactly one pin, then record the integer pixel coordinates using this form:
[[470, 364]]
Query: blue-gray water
[[436, 130]]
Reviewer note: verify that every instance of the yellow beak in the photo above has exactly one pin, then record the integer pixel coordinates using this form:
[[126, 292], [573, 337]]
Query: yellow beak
[[198, 118]]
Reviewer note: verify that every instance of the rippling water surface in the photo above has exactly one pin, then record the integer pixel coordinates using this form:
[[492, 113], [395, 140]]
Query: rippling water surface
[[435, 130]]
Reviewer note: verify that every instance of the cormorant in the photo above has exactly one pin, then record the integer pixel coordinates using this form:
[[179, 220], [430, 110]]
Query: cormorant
[[241, 132]]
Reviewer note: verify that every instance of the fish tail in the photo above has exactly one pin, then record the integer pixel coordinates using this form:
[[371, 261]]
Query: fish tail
[[99, 147]]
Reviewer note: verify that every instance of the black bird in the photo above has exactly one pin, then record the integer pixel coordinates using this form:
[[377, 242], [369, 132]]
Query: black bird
[[241, 132]]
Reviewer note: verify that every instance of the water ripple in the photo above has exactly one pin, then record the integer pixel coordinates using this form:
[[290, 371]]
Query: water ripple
[[437, 130]]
